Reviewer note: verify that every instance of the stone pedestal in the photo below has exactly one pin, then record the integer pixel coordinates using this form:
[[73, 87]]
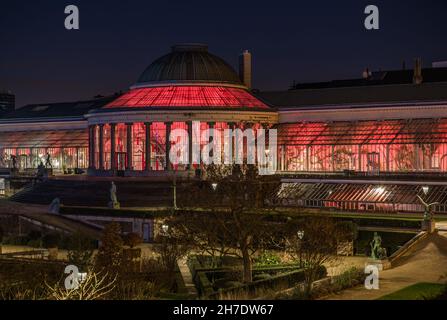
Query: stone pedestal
[[429, 226], [114, 205], [383, 264]]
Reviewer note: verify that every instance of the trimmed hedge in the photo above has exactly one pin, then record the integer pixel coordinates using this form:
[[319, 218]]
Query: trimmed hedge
[[287, 276], [275, 283]]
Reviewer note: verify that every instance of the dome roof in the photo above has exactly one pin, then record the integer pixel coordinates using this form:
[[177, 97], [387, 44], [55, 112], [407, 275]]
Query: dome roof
[[189, 63], [188, 97]]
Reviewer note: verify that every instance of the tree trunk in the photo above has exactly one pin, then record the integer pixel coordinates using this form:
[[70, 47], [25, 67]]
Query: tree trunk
[[247, 264], [310, 277]]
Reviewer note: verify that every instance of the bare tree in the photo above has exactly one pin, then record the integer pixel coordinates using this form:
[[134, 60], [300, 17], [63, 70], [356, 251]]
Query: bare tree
[[200, 231], [110, 253], [95, 286], [316, 245], [233, 194], [170, 249]]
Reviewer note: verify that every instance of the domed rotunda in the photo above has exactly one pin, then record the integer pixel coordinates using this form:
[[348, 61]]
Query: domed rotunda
[[130, 135]]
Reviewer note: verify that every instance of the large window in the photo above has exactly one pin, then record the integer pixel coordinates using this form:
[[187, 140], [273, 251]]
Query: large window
[[138, 146], [121, 146], [59, 149], [107, 145], [158, 145], [367, 146]]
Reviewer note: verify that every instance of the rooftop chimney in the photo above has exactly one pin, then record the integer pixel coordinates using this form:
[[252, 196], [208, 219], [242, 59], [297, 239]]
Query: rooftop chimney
[[245, 68], [417, 74]]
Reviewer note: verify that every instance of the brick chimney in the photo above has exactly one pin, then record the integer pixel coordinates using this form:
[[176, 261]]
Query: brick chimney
[[417, 73], [245, 68]]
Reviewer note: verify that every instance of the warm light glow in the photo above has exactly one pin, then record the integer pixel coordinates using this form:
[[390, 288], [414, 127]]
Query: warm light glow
[[165, 228], [380, 190], [425, 189], [187, 96]]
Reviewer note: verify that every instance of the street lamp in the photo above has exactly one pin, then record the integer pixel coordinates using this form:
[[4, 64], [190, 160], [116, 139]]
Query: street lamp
[[300, 234], [174, 188], [214, 186], [428, 215], [165, 229]]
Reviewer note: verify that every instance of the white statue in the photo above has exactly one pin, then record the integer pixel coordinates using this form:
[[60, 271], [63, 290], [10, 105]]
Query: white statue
[[113, 199], [55, 206]]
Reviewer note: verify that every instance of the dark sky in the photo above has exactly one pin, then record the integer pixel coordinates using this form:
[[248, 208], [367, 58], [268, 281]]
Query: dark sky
[[40, 61]]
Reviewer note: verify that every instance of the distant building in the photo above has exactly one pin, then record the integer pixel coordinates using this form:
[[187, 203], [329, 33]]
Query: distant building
[[439, 64], [7, 102]]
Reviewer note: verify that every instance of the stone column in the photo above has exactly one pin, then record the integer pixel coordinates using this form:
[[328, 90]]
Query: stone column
[[266, 128], [232, 127], [307, 157], [89, 148], [168, 145], [148, 147], [112, 147], [387, 158], [250, 125], [189, 123], [211, 139], [91, 156], [101, 147], [129, 164], [77, 158]]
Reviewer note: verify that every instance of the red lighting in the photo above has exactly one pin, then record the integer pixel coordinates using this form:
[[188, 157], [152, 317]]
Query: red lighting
[[188, 96]]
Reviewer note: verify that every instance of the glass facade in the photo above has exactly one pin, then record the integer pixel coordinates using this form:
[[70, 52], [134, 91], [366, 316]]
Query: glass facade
[[62, 150], [387, 198], [364, 146], [139, 146], [179, 145]]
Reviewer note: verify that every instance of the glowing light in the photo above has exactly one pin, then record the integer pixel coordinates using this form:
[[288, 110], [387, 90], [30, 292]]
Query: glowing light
[[187, 96], [380, 190], [214, 186], [300, 234], [425, 189]]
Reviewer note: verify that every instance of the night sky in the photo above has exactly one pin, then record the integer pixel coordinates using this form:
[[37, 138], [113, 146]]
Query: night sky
[[41, 61]]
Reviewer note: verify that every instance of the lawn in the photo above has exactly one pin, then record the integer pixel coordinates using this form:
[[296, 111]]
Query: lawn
[[418, 291]]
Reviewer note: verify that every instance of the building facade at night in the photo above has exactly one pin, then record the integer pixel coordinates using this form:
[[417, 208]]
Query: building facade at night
[[363, 144]]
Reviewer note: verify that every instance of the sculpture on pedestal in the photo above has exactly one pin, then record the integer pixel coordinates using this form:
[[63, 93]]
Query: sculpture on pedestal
[[113, 198], [55, 206], [428, 215], [377, 252]]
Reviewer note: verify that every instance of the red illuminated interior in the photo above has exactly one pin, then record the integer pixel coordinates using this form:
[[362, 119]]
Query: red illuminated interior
[[188, 96]]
